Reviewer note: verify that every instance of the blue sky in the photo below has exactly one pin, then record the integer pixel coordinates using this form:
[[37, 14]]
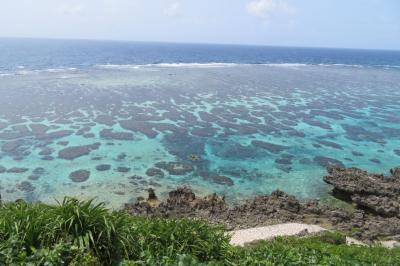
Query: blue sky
[[322, 23]]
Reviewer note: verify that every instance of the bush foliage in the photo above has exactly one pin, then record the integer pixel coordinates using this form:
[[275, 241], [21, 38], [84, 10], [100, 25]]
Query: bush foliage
[[83, 233]]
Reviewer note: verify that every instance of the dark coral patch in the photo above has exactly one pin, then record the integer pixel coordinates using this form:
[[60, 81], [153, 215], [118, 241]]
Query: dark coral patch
[[155, 172], [2, 169], [11, 146], [218, 179], [330, 144], [109, 134], [56, 134], [46, 151], [103, 167], [374, 160], [356, 153], [17, 170], [33, 177], [175, 168], [285, 161], [39, 171], [326, 161], [139, 126], [79, 175], [74, 152], [47, 158], [39, 129], [123, 169], [25, 186], [105, 120], [358, 133], [274, 148]]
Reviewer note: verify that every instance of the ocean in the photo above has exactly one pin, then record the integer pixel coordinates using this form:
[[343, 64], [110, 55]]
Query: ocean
[[108, 120]]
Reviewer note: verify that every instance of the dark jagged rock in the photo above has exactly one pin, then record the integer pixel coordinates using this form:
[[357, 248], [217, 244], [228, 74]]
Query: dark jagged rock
[[103, 167], [395, 172], [175, 168], [74, 152], [277, 207], [79, 175], [373, 192], [181, 202]]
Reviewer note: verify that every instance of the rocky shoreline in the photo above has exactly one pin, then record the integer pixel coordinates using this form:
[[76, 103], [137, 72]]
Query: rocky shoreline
[[374, 212]]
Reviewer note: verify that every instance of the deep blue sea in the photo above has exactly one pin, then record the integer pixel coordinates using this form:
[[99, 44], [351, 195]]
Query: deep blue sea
[[110, 119]]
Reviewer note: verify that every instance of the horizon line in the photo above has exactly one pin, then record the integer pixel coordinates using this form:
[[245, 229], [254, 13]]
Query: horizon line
[[198, 43]]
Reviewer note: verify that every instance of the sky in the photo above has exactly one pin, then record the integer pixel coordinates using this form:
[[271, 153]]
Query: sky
[[368, 24]]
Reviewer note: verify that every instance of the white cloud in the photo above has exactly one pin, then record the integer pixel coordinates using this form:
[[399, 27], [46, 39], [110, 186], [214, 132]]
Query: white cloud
[[173, 10], [262, 8]]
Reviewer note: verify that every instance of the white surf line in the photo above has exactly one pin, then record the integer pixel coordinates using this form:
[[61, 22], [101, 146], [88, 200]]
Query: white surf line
[[242, 237]]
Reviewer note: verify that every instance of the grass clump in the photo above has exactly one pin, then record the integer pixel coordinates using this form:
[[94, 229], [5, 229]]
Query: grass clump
[[83, 233], [326, 249]]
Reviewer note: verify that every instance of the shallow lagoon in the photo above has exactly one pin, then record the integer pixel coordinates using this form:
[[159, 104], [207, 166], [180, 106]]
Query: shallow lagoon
[[238, 130]]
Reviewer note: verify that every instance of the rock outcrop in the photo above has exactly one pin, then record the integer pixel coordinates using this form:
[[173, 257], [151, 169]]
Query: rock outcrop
[[371, 192], [376, 212]]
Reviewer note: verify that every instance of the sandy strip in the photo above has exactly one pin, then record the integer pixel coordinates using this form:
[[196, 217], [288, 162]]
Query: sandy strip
[[241, 237]]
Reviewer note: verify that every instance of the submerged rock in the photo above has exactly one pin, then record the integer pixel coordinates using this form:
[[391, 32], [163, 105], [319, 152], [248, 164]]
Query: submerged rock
[[123, 169], [11, 146], [17, 170], [39, 171], [79, 175], [25, 186], [74, 152], [2, 169], [222, 180], [271, 147], [175, 168], [109, 134], [103, 167], [327, 162], [155, 172]]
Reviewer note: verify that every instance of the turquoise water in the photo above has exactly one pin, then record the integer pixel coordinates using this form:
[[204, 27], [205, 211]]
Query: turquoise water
[[238, 129]]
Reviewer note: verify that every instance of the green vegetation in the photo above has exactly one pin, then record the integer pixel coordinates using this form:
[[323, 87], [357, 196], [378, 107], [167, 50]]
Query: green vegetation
[[82, 233]]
